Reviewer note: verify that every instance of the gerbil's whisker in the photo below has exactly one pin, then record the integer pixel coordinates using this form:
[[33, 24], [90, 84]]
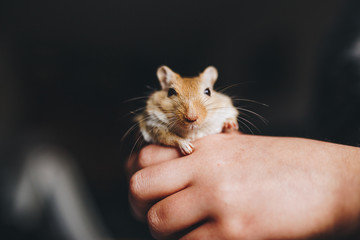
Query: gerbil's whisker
[[136, 142], [244, 119], [134, 112], [249, 100], [241, 128], [132, 128], [150, 88], [246, 126], [247, 115], [172, 124], [217, 108], [134, 99], [264, 120], [223, 89]]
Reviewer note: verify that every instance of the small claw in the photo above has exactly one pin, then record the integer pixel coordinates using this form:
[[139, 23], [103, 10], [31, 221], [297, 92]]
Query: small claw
[[230, 125], [186, 147]]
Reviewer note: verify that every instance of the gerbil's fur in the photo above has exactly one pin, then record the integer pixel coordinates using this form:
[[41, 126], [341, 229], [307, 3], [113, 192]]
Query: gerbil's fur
[[186, 109]]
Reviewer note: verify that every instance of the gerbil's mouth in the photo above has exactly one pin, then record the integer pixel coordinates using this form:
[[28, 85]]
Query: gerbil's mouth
[[191, 126], [189, 122]]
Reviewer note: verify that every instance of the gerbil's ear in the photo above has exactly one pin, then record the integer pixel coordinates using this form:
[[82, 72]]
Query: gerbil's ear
[[165, 76], [209, 75]]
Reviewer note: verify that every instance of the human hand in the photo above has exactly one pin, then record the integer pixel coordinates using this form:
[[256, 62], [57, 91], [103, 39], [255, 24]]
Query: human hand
[[247, 187]]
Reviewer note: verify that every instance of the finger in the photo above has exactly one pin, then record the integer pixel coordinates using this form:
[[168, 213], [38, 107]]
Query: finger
[[155, 154], [158, 181], [149, 155], [176, 213], [131, 165]]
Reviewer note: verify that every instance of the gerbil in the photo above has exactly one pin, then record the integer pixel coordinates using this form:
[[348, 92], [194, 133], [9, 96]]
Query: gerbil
[[186, 109]]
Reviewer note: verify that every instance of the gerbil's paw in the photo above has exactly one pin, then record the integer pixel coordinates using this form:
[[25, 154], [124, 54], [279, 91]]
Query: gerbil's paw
[[230, 125], [186, 147]]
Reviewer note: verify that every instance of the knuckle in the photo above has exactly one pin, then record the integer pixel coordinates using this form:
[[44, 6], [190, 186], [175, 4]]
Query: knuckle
[[233, 230], [159, 217], [144, 159], [136, 185], [221, 194], [129, 165], [154, 218]]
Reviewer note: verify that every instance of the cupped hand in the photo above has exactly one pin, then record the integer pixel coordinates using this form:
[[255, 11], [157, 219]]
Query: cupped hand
[[235, 186]]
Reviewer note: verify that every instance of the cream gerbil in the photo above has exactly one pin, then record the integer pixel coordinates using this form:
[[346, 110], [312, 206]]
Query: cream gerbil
[[186, 109]]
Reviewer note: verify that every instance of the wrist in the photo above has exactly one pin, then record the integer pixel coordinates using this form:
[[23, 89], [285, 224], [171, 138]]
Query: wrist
[[348, 211]]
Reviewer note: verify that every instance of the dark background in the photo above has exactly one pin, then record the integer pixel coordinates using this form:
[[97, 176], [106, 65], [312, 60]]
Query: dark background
[[67, 67]]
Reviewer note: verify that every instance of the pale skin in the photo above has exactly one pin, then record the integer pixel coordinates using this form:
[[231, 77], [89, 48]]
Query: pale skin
[[236, 186]]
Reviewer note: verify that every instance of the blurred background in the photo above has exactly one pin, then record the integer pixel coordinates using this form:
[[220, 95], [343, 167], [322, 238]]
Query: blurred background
[[67, 69]]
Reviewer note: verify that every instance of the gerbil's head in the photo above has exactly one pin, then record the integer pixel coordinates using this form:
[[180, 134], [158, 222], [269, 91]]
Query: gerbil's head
[[186, 99]]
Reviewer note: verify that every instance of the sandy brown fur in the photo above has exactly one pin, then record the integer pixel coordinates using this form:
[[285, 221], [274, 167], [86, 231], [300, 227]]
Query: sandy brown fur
[[189, 114]]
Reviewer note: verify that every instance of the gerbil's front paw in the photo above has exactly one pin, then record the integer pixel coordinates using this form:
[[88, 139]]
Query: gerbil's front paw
[[230, 125], [186, 147]]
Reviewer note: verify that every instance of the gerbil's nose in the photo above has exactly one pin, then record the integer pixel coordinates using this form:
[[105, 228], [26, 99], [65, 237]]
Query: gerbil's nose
[[191, 118]]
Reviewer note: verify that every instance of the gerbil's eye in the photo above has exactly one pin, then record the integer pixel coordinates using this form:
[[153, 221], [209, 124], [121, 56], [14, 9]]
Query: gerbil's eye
[[171, 92], [207, 92]]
